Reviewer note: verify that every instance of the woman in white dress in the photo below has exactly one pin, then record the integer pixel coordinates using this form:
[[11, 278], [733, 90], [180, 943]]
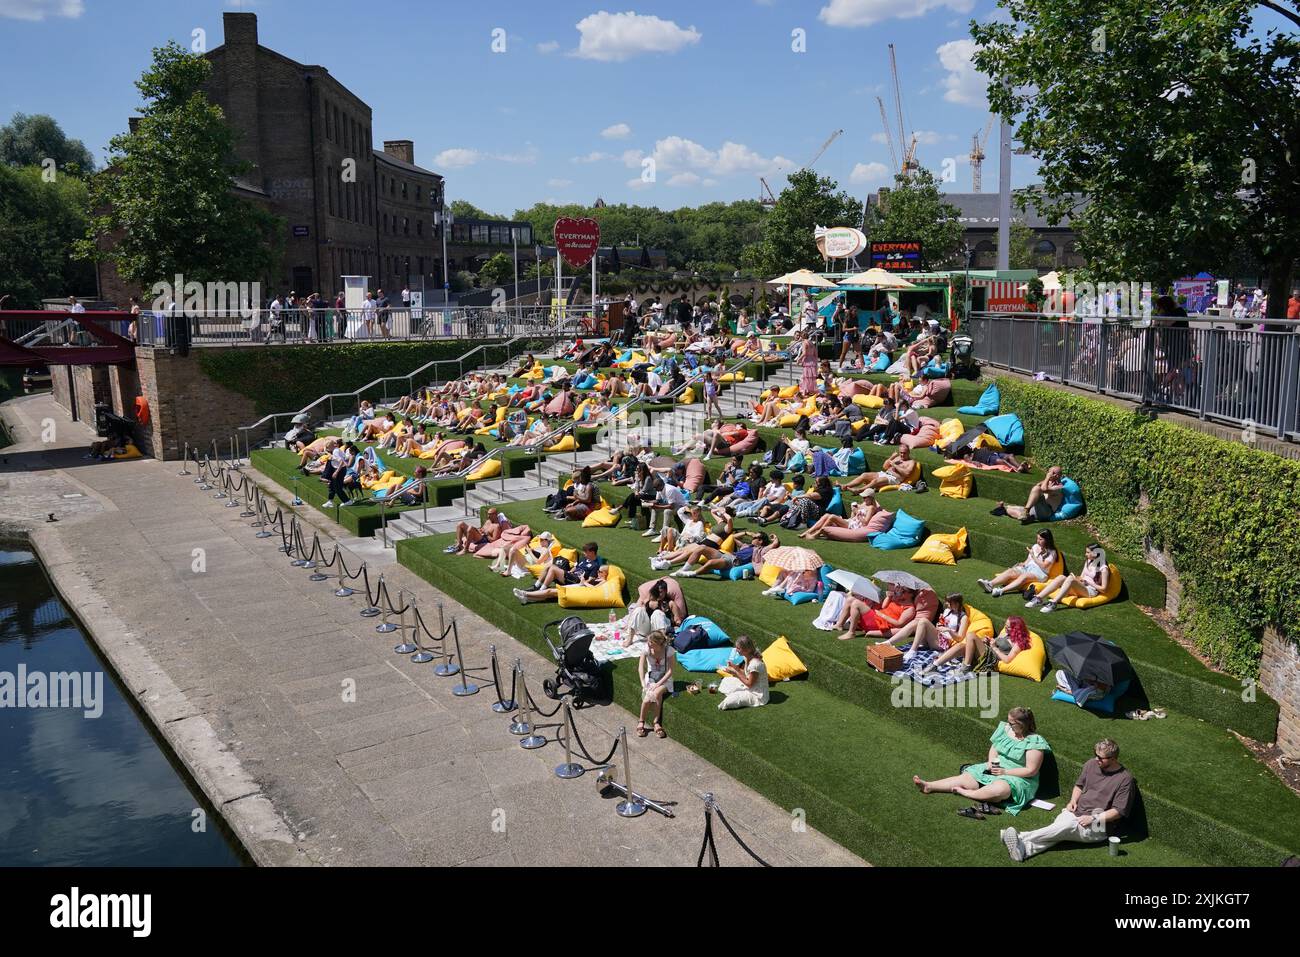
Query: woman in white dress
[[745, 685]]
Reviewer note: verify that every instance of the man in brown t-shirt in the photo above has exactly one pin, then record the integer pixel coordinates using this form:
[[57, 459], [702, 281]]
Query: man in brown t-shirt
[[1103, 796]]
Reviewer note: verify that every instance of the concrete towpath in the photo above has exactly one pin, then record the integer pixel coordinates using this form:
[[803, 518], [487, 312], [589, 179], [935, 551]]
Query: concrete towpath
[[246, 667]]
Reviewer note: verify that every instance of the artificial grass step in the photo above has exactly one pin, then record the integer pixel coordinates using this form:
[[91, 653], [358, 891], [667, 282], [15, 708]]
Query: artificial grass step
[[807, 751]]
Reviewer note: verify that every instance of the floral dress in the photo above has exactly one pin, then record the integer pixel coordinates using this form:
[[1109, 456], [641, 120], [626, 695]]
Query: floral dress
[[1011, 754]]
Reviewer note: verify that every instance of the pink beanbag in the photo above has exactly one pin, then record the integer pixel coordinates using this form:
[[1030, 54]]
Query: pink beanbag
[[854, 387], [937, 392], [697, 473], [675, 596], [560, 405], [746, 445], [923, 439], [517, 535]]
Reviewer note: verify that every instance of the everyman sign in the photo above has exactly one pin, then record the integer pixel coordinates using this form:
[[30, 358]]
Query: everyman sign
[[577, 240], [901, 256]]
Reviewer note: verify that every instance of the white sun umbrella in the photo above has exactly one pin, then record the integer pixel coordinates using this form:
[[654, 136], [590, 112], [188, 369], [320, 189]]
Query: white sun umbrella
[[856, 584], [1051, 282], [902, 579], [880, 278], [803, 277]]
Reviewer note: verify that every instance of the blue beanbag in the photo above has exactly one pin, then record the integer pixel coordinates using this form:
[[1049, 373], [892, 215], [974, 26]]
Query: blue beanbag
[[882, 363], [1072, 505], [799, 597], [906, 532], [717, 637], [1105, 705], [836, 507], [796, 463], [989, 402], [738, 572], [1008, 430], [705, 659], [936, 369], [857, 465], [586, 382]]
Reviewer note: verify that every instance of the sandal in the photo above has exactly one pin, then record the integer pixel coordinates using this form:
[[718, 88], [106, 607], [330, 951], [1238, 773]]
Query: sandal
[[641, 732], [659, 731], [970, 812], [984, 807]]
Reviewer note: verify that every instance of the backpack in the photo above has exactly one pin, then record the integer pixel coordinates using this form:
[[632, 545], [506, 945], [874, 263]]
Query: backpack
[[690, 638]]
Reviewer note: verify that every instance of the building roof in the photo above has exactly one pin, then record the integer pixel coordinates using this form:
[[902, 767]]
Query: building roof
[[981, 209], [392, 160]]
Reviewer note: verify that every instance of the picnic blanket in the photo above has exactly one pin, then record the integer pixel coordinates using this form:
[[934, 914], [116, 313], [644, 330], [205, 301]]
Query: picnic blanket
[[945, 675], [604, 648]]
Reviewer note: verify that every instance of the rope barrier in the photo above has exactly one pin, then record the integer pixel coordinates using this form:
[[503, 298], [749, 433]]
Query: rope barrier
[[711, 807], [502, 705], [582, 748]]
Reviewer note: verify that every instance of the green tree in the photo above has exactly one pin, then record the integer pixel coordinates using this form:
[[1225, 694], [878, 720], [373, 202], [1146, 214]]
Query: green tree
[[40, 220], [466, 210], [497, 271], [166, 194], [915, 210], [787, 235], [1178, 122], [31, 140]]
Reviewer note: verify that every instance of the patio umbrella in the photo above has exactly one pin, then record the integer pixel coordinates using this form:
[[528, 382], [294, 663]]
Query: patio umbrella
[[802, 277], [793, 559], [902, 579], [880, 278], [1051, 281], [856, 584], [1090, 657]]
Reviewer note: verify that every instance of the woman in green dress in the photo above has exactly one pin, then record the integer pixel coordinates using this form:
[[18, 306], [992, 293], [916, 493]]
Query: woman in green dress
[[1011, 773]]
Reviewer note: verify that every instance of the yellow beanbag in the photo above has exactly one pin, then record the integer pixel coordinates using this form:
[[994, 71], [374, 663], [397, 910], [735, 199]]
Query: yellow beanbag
[[789, 420], [600, 518], [868, 401], [728, 545], [934, 551], [910, 478], [582, 407], [955, 480], [1113, 586], [781, 661], [732, 377], [489, 469], [768, 575], [129, 451], [501, 413], [564, 445], [986, 440], [980, 625], [687, 396], [1029, 663], [789, 392], [536, 372], [950, 430], [957, 541], [608, 594]]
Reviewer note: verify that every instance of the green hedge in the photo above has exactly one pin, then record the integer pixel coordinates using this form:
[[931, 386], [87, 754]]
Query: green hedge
[[286, 378], [1229, 515]]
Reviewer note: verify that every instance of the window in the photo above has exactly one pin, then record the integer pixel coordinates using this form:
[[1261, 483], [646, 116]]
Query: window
[[406, 226], [1045, 247], [460, 232], [417, 194], [329, 129], [478, 233], [392, 187], [403, 189], [385, 222], [419, 231], [495, 235]]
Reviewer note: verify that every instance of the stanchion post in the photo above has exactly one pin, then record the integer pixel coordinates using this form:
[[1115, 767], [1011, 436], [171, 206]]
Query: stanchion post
[[343, 591], [406, 646], [519, 724], [505, 705], [185, 461], [568, 769], [632, 805], [448, 667], [386, 626], [373, 611], [466, 687]]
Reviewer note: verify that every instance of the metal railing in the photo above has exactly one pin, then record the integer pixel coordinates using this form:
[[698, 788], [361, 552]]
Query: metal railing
[[323, 325], [1218, 369]]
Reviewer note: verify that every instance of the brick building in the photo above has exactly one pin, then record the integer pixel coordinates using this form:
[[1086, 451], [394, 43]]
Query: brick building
[[348, 208]]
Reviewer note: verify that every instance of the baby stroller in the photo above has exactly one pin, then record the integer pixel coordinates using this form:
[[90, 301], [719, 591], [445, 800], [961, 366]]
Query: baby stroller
[[961, 358], [578, 674]]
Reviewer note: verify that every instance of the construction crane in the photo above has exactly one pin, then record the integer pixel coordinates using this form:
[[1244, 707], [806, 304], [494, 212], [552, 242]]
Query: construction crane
[[909, 147], [825, 146], [889, 136], [977, 144], [765, 197]]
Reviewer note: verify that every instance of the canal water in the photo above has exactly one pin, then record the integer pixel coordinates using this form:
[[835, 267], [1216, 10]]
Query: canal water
[[78, 789]]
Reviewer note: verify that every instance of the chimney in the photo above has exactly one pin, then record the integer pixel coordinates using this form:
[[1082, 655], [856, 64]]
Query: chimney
[[240, 29], [403, 150], [133, 122]]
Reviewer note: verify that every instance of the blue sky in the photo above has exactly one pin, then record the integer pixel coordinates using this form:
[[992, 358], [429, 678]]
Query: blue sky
[[517, 102]]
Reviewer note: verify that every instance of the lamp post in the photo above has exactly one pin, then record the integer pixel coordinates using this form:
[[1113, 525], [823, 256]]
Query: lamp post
[[514, 245], [443, 219]]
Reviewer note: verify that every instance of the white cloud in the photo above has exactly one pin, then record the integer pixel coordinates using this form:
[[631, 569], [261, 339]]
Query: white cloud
[[611, 37], [528, 156], [40, 9], [684, 179], [863, 13], [963, 83], [677, 154], [873, 173], [595, 156], [550, 46], [632, 157], [559, 183], [637, 182], [619, 131], [457, 158]]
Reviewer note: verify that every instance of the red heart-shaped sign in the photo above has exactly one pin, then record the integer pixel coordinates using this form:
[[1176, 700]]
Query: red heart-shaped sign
[[577, 240]]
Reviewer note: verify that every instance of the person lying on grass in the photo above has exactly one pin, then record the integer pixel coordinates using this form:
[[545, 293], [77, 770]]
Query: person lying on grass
[[308, 453], [988, 458], [620, 469], [1034, 569], [469, 537], [745, 685], [709, 545], [373, 430], [1103, 796], [896, 470], [717, 440], [874, 621], [1045, 498], [656, 670], [1010, 774], [981, 656], [468, 456], [590, 569], [925, 634], [1091, 581], [859, 516]]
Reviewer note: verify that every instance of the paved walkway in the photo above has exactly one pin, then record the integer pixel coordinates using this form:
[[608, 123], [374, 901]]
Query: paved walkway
[[243, 664]]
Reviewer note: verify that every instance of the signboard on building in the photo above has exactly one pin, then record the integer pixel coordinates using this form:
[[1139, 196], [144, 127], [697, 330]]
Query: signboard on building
[[900, 256], [1197, 292], [840, 242], [299, 232], [417, 304], [1004, 295], [577, 240]]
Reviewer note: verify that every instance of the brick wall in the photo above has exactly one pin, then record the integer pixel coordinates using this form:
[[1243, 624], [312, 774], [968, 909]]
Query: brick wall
[[1279, 678], [186, 406], [61, 380]]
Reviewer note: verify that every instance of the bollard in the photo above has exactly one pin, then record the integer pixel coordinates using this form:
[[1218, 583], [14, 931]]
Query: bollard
[[343, 591], [533, 739], [632, 805], [406, 646], [373, 611], [319, 574], [568, 769], [185, 461], [448, 667], [465, 688], [386, 626], [250, 500], [422, 655], [519, 724], [505, 705]]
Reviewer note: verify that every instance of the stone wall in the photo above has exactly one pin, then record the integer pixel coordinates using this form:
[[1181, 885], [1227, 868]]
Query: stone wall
[[186, 406], [1279, 678]]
